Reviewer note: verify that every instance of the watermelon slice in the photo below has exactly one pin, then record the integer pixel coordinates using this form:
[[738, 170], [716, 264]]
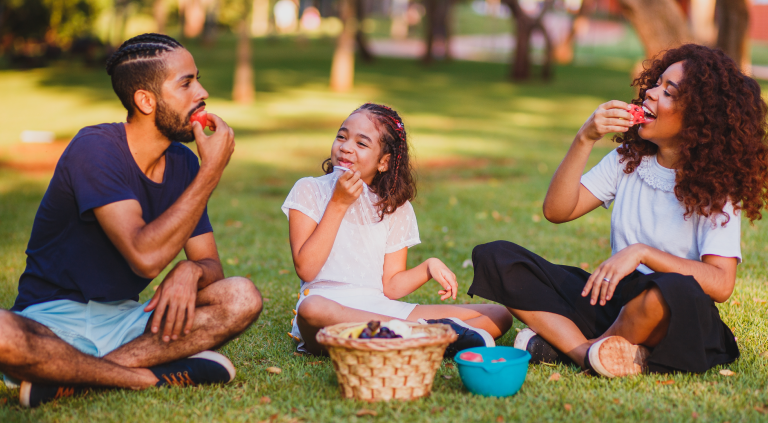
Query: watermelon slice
[[501, 360], [470, 356], [638, 115]]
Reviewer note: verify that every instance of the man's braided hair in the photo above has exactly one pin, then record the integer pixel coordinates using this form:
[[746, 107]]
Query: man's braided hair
[[138, 65], [397, 184]]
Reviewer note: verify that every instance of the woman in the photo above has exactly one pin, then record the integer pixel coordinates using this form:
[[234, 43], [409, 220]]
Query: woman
[[680, 182]]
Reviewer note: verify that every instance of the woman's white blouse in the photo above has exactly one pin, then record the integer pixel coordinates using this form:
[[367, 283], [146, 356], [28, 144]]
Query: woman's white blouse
[[646, 211], [357, 255]]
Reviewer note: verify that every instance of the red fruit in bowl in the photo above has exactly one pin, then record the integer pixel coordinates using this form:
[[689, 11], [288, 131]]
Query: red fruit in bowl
[[501, 360], [200, 117], [638, 114], [470, 356]]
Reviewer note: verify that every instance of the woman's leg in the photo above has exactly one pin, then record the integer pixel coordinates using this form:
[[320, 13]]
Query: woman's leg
[[317, 312], [642, 321], [492, 318]]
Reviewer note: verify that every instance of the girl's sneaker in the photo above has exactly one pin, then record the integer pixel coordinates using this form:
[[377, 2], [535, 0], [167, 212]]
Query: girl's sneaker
[[541, 351], [614, 356], [469, 336]]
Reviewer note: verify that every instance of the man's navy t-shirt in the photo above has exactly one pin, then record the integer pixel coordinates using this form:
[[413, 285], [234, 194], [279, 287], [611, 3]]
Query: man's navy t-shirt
[[69, 256]]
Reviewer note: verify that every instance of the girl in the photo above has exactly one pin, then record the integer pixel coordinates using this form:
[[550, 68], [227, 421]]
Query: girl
[[350, 231], [680, 182]]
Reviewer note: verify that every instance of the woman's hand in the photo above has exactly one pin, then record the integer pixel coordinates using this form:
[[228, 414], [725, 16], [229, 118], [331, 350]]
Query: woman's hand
[[603, 282], [348, 188], [612, 116], [438, 271]]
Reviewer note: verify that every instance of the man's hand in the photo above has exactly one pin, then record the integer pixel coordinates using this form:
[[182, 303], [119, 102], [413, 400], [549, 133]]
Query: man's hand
[[214, 150], [175, 300], [443, 275]]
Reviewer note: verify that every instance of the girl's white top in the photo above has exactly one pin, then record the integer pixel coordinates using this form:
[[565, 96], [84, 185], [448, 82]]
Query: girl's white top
[[357, 256], [646, 211]]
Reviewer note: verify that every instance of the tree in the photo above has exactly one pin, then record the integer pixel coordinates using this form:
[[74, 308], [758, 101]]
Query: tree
[[660, 24], [564, 50], [160, 13], [525, 25], [343, 66], [438, 31], [733, 31], [360, 38], [243, 91]]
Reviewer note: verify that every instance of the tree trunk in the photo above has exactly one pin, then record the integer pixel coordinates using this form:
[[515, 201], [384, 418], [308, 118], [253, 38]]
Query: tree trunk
[[399, 28], [702, 18], [194, 18], [160, 13], [438, 30], [524, 24], [360, 38], [660, 24], [260, 19], [733, 33], [564, 50], [243, 91], [343, 66]]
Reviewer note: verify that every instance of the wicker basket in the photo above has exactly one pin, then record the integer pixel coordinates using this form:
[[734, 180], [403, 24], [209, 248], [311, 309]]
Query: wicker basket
[[383, 369]]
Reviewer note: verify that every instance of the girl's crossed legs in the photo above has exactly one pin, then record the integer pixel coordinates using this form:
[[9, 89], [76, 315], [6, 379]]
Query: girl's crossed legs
[[316, 312]]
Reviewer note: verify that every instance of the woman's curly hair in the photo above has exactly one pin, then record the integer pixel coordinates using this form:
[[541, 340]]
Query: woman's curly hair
[[723, 153], [397, 184]]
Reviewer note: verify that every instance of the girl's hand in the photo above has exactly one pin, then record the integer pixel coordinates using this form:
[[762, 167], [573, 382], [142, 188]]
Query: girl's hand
[[348, 188], [442, 274], [603, 282], [612, 116]]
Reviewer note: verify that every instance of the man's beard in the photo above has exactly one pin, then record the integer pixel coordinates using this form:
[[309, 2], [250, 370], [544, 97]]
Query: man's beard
[[173, 125]]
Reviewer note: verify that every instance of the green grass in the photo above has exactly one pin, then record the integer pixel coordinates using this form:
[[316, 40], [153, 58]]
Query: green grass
[[486, 150]]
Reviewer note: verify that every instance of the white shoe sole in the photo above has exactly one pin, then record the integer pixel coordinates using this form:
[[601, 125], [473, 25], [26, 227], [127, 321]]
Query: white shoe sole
[[616, 357], [25, 393], [523, 338], [218, 358]]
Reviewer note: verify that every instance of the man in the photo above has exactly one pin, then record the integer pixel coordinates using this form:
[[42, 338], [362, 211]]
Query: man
[[124, 200]]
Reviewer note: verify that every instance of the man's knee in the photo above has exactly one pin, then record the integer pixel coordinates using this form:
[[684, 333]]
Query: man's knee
[[12, 337], [245, 302]]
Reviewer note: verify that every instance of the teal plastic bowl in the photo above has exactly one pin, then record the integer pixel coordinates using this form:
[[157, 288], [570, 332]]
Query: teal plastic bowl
[[494, 379]]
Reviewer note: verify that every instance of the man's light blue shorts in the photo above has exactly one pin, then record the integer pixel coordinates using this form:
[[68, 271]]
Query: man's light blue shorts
[[94, 328]]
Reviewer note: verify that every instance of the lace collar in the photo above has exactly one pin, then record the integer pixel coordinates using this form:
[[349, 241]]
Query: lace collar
[[655, 175]]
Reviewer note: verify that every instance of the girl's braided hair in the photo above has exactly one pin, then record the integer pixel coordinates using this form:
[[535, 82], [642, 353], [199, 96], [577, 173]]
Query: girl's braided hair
[[397, 184], [138, 65]]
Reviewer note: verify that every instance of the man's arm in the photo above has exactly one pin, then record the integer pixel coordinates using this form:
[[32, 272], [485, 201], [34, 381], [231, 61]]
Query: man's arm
[[149, 247], [176, 296]]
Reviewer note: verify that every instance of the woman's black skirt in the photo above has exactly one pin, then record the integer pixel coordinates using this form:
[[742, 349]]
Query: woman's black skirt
[[696, 341]]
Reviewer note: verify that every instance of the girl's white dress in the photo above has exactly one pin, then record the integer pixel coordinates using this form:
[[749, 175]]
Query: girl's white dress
[[352, 275]]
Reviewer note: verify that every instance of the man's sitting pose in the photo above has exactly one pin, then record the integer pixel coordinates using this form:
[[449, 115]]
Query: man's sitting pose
[[124, 200]]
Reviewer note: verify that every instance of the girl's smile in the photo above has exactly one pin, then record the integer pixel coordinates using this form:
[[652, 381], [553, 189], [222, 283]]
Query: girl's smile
[[357, 147], [663, 114]]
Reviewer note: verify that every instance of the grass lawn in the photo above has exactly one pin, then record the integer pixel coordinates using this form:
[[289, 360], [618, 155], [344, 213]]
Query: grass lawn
[[486, 150]]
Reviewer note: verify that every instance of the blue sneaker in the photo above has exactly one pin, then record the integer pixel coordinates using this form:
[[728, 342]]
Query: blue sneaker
[[203, 368], [34, 394], [541, 351], [469, 336]]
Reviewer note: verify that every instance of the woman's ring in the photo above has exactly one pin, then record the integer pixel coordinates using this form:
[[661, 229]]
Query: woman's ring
[[607, 280]]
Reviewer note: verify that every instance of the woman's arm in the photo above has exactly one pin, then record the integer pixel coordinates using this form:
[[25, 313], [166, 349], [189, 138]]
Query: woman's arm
[[399, 282], [715, 274], [566, 198], [311, 243]]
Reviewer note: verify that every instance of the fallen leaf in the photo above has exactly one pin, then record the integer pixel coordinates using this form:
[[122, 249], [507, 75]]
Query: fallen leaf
[[764, 354], [727, 372], [584, 265], [665, 382], [436, 410], [282, 272], [4, 401], [567, 407], [499, 419], [312, 363], [265, 400], [449, 365], [536, 218], [233, 261], [248, 276], [762, 410], [275, 370], [154, 288], [447, 377], [695, 415], [758, 300], [366, 412], [554, 378], [616, 401], [736, 303], [294, 409], [496, 216]]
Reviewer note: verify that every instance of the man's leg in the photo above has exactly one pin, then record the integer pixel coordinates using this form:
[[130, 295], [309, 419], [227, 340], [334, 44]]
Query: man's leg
[[224, 309], [30, 351]]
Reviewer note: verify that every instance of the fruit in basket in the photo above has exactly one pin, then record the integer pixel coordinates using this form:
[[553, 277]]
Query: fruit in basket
[[353, 332], [470, 356]]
